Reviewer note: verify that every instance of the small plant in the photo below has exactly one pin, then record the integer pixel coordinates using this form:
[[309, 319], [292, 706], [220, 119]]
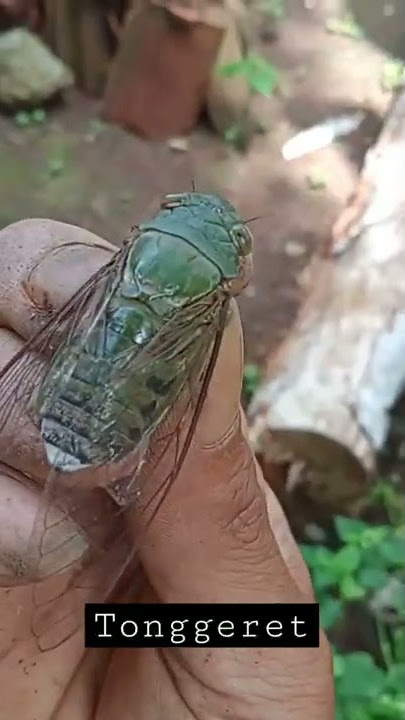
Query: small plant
[[25, 118], [316, 179], [237, 136], [97, 126], [56, 164], [365, 691], [346, 26], [393, 75], [274, 9], [368, 557], [368, 567], [251, 381], [261, 76], [385, 493]]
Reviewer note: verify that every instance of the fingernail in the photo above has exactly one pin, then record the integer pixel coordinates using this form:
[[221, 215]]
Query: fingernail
[[221, 406]]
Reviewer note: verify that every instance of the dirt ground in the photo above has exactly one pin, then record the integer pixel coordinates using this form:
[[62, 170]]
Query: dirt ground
[[75, 169]]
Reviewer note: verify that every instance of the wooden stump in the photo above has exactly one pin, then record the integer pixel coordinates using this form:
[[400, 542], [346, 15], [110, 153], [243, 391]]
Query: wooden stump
[[158, 80]]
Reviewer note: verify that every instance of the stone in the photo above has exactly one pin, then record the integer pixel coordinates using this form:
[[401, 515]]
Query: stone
[[29, 73]]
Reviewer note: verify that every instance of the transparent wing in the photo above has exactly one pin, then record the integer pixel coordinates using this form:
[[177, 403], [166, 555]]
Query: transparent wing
[[22, 376], [81, 534], [79, 547]]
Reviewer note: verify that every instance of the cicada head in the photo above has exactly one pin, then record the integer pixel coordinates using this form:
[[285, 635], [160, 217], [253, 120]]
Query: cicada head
[[223, 237]]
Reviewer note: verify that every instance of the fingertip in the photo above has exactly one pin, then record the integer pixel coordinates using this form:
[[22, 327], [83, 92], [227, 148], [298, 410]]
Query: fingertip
[[45, 262]]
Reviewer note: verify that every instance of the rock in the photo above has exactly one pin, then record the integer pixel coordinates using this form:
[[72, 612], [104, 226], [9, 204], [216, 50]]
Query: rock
[[29, 73]]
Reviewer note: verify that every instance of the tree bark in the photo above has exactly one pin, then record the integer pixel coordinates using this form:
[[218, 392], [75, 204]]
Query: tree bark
[[325, 402], [78, 34]]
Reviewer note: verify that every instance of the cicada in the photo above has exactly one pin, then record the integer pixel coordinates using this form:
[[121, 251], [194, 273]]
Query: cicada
[[130, 359]]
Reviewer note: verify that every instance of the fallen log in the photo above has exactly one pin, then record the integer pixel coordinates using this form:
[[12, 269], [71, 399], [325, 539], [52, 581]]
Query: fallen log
[[324, 405]]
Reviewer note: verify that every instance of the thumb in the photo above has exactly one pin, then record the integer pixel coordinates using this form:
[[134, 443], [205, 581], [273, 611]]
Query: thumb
[[211, 540]]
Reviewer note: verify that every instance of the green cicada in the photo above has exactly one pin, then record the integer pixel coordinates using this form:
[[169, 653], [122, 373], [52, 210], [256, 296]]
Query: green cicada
[[138, 340]]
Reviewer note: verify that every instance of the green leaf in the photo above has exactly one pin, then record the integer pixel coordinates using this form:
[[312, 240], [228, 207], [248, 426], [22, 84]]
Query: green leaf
[[233, 69], [393, 75], [388, 707], [399, 644], [56, 166], [251, 379], [395, 678], [273, 8], [346, 560], [261, 75], [346, 26], [373, 536], [316, 555], [372, 578], [96, 126], [38, 116], [330, 612], [393, 551], [349, 529], [323, 578], [361, 679], [350, 589], [22, 119], [339, 713], [316, 179], [338, 665]]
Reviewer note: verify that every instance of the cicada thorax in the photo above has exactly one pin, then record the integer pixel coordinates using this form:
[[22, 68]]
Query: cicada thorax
[[116, 384]]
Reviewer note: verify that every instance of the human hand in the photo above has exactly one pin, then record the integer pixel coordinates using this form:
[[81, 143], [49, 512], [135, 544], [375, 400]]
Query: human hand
[[220, 536]]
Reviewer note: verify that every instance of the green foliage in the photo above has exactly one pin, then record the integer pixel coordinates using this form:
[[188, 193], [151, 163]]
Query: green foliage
[[275, 9], [237, 136], [30, 118], [393, 75], [316, 179], [56, 164], [368, 567], [346, 26], [251, 381], [97, 126], [366, 692], [261, 76], [385, 493]]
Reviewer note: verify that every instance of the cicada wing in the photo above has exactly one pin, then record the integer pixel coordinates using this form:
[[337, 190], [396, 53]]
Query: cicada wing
[[101, 554], [21, 378], [21, 445]]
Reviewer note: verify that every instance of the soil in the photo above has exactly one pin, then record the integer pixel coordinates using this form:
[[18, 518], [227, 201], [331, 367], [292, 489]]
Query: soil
[[76, 169]]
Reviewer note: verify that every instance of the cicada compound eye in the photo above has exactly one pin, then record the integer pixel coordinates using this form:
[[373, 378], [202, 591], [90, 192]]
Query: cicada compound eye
[[243, 238]]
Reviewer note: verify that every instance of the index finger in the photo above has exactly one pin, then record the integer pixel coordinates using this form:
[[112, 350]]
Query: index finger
[[44, 262]]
